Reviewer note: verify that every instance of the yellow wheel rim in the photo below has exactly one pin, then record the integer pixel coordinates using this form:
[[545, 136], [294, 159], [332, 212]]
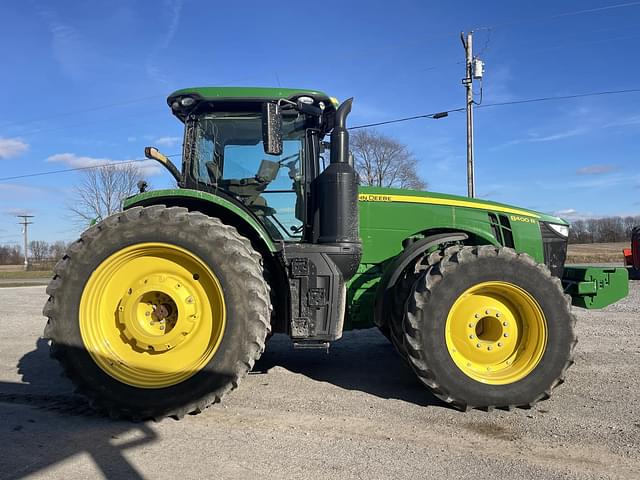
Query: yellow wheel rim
[[152, 315], [496, 333]]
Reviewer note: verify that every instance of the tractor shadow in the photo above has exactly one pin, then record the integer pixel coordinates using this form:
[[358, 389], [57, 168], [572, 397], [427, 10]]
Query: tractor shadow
[[43, 424], [362, 360]]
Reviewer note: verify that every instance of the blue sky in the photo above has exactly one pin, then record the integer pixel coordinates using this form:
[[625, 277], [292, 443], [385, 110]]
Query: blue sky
[[87, 81]]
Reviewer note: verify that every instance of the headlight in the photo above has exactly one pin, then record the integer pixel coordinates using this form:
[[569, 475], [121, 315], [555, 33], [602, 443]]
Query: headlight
[[562, 230]]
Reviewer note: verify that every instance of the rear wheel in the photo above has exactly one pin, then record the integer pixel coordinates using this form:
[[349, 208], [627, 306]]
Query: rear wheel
[[487, 327], [158, 311]]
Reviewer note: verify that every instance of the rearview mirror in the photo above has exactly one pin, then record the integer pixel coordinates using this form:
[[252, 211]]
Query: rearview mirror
[[272, 128]]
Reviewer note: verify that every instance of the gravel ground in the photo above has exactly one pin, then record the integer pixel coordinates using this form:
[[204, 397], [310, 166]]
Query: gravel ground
[[357, 412]]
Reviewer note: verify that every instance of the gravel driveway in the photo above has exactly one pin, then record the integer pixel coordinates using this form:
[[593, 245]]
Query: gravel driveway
[[357, 412]]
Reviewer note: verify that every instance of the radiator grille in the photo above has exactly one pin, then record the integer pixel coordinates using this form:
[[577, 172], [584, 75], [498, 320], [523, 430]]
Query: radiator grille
[[555, 249]]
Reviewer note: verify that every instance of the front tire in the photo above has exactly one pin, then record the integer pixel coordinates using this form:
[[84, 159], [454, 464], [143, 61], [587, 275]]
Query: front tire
[[158, 312], [487, 327]]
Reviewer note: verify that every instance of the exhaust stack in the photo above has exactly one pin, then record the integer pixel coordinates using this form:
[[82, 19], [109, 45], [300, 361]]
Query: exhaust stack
[[337, 199]]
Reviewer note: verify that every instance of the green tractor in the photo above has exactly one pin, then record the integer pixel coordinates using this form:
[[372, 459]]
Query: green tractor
[[163, 308]]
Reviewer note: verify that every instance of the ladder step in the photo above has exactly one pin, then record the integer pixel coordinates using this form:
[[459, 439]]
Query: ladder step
[[311, 346]]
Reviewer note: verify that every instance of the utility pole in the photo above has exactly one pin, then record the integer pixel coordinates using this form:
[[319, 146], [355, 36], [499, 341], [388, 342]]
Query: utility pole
[[474, 70], [25, 222]]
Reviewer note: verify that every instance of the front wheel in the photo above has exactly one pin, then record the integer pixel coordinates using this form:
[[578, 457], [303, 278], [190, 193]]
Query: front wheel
[[158, 311], [487, 327]]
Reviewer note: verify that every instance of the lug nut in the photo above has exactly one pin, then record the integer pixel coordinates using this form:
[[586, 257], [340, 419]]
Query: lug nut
[[487, 312], [477, 315], [478, 345], [497, 314], [499, 344], [489, 348], [471, 337], [505, 324], [471, 325], [506, 335]]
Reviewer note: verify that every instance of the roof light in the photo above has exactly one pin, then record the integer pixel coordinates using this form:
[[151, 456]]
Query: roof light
[[307, 100], [187, 101]]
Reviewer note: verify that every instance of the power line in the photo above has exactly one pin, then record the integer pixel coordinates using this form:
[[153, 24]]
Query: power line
[[560, 97], [434, 115], [101, 107], [406, 119], [77, 169], [558, 15], [499, 104], [84, 110]]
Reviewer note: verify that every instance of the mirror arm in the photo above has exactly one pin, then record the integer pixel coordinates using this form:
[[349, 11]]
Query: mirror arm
[[152, 153]]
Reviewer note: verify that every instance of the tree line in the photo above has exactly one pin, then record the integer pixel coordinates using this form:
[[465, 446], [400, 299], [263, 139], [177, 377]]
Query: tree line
[[40, 252], [602, 230]]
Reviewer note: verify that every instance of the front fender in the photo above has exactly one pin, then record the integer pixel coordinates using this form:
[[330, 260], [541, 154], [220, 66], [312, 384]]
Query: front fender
[[396, 267]]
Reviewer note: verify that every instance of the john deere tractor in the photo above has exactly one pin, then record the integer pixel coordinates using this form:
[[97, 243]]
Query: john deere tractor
[[163, 308]]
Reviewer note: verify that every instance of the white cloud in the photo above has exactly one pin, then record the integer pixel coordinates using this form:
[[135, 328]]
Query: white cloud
[[497, 83], [167, 141], [585, 129], [566, 211], [172, 11], [16, 190], [596, 169], [76, 161], [13, 212], [571, 214], [146, 167], [12, 147], [535, 137]]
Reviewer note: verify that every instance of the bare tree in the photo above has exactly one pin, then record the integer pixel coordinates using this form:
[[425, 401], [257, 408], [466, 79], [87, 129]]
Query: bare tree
[[10, 255], [39, 250], [382, 161], [101, 191], [57, 250], [605, 229]]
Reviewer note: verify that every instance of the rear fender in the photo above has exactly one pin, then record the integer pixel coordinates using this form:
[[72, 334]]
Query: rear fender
[[211, 205]]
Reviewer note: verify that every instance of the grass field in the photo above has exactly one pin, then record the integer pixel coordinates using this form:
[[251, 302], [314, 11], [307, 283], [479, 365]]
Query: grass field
[[21, 274], [596, 252]]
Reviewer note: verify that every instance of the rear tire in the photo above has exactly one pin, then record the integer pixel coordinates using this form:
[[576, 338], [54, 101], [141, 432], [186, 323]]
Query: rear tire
[[487, 327], [97, 306]]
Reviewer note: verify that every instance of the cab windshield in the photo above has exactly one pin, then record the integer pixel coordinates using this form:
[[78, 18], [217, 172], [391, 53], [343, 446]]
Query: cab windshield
[[228, 155]]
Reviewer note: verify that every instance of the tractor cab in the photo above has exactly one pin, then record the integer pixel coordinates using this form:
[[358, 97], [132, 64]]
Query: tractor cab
[[229, 151]]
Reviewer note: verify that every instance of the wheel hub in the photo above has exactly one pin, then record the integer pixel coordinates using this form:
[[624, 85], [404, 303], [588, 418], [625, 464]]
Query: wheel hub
[[157, 313], [495, 333]]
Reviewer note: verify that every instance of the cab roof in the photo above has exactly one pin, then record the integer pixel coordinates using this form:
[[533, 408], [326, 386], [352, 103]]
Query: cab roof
[[247, 95]]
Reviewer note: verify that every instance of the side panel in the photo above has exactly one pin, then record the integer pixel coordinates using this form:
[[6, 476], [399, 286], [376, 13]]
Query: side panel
[[388, 217], [387, 220]]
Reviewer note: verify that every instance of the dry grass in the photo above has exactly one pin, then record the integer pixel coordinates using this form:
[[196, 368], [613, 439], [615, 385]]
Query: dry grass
[[11, 268], [596, 252], [21, 274]]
